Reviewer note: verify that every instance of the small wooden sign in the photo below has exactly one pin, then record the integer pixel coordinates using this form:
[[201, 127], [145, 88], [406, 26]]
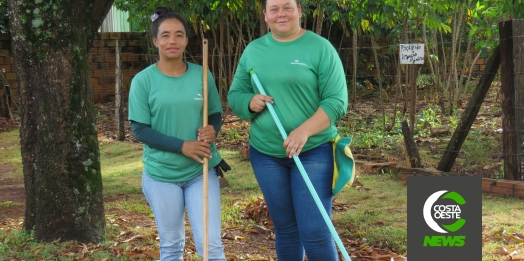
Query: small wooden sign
[[411, 53]]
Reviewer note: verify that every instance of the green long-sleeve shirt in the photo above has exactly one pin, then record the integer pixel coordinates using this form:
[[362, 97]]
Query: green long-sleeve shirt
[[301, 76], [172, 106]]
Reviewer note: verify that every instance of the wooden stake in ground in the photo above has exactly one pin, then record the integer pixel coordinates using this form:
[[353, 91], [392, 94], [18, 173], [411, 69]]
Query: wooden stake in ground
[[413, 98], [512, 90], [205, 171], [119, 108], [470, 113]]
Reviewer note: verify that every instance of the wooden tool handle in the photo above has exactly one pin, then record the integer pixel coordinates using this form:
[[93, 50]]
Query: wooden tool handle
[[205, 171]]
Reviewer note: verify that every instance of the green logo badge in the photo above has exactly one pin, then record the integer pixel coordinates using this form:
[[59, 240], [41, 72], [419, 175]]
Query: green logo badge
[[445, 218], [444, 213]]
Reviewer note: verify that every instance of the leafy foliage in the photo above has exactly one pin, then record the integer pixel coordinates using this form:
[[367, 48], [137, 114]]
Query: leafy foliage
[[202, 15], [4, 17]]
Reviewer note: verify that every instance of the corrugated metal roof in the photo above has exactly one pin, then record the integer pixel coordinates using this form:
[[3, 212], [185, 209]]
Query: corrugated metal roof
[[116, 21]]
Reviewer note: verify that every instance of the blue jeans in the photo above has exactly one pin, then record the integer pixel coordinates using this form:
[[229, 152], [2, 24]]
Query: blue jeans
[[298, 223], [168, 200]]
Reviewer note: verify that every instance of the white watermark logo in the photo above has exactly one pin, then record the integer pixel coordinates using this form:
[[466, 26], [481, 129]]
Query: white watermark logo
[[444, 211], [299, 63]]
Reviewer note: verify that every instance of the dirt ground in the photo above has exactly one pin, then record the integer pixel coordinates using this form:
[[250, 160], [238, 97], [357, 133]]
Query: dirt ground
[[11, 190], [259, 242], [237, 242], [256, 243]]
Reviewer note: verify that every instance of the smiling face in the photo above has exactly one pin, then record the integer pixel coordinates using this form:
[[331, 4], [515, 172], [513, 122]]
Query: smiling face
[[171, 39], [283, 17]]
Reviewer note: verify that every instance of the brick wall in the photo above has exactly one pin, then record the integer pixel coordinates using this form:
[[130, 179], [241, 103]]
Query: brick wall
[[6, 62], [102, 62]]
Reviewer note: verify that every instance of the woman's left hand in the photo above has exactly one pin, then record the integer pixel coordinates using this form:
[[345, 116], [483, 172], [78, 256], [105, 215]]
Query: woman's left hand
[[206, 134], [295, 142]]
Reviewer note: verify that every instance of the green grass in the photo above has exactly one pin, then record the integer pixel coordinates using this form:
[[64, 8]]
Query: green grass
[[502, 213], [376, 211], [477, 148], [242, 190], [379, 215], [121, 173], [135, 204], [121, 168], [8, 204], [241, 177], [10, 151]]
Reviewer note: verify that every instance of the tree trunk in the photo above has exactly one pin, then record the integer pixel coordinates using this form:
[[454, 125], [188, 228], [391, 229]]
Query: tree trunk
[[444, 71], [431, 54], [344, 33], [457, 77], [438, 68], [6, 102], [355, 69], [413, 96], [398, 85], [375, 47], [452, 83], [263, 25], [239, 47], [411, 146], [405, 36], [58, 133], [221, 63], [229, 48], [463, 84], [329, 31], [468, 80], [319, 19]]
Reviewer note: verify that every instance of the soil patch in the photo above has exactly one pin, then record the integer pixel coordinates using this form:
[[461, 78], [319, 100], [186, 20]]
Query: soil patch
[[8, 124], [12, 194]]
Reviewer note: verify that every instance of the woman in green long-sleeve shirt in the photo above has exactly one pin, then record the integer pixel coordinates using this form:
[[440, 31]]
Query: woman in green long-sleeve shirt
[[304, 80], [165, 110]]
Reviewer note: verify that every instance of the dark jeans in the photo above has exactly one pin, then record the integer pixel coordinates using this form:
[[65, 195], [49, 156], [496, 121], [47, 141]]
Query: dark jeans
[[298, 223]]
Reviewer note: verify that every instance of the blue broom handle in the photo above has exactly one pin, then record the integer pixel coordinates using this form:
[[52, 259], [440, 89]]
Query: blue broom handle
[[302, 171]]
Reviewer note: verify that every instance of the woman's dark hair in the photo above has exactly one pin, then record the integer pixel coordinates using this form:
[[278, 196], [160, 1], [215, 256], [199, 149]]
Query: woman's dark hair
[[163, 13], [264, 3]]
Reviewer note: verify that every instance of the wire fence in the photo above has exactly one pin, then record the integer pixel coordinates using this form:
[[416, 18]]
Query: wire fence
[[103, 62], [366, 66]]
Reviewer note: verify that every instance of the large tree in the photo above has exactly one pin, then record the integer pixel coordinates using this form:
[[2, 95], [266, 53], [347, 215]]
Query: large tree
[[58, 133]]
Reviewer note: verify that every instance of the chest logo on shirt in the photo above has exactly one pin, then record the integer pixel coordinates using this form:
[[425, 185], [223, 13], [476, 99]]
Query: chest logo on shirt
[[199, 98], [298, 63]]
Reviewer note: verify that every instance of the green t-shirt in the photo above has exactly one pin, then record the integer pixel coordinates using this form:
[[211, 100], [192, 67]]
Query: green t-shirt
[[301, 76], [172, 106]]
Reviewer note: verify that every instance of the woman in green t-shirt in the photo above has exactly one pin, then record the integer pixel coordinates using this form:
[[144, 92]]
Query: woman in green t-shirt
[[165, 110]]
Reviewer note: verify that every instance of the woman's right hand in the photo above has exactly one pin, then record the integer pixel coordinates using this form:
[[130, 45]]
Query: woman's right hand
[[196, 150], [258, 102]]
